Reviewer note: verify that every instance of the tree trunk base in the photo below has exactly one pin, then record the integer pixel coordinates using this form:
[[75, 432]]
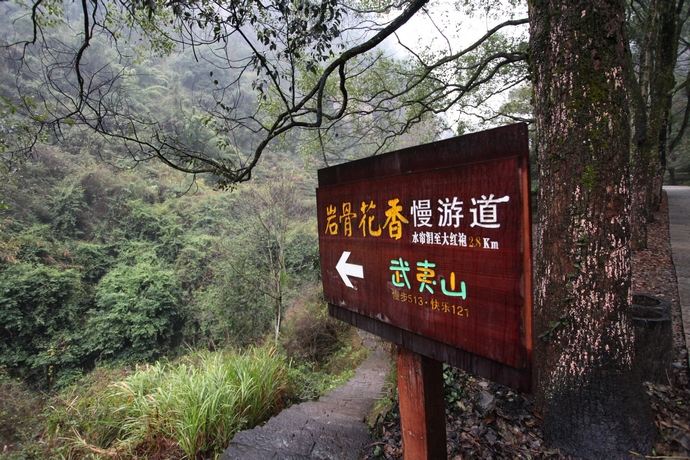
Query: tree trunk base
[[613, 421]]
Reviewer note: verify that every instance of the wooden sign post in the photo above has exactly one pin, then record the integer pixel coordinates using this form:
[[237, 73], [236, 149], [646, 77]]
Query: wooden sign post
[[430, 248], [422, 409]]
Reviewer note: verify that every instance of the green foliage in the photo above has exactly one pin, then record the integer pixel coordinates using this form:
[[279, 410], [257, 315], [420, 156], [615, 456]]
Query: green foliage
[[41, 313], [193, 406], [137, 316], [309, 382], [454, 384], [193, 260], [101, 267], [230, 311], [165, 264], [302, 250], [155, 268], [65, 208], [312, 379], [92, 259], [153, 223], [33, 244], [359, 132], [518, 106]]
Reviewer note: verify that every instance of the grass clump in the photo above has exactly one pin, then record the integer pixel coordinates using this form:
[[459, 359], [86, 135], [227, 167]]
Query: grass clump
[[187, 409]]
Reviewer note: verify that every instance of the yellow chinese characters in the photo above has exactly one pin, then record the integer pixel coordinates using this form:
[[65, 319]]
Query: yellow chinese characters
[[346, 218], [394, 219], [366, 222], [331, 222], [335, 224]]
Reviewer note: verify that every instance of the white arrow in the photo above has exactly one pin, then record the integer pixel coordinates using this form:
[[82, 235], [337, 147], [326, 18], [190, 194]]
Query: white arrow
[[345, 269]]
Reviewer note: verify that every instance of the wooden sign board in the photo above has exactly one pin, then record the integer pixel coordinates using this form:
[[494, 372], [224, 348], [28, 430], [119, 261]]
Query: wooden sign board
[[430, 247]]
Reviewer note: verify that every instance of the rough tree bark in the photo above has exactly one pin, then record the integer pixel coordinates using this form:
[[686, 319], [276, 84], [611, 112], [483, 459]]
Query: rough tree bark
[[594, 405]]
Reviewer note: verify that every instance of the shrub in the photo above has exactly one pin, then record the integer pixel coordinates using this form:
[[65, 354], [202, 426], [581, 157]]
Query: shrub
[[231, 310], [192, 263], [66, 207], [41, 314], [35, 244], [137, 316], [311, 335], [324, 351], [302, 251], [93, 259], [154, 223]]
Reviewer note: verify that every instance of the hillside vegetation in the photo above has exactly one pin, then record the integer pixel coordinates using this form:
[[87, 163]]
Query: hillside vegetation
[[106, 266], [142, 313]]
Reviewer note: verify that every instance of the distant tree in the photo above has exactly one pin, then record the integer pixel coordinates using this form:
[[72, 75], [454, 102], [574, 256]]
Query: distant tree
[[272, 212], [655, 27], [678, 151]]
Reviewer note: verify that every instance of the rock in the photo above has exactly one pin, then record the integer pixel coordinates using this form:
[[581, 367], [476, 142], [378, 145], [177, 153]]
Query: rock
[[486, 402]]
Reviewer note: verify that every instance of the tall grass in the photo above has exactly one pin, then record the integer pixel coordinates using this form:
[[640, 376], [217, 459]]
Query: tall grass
[[190, 408]]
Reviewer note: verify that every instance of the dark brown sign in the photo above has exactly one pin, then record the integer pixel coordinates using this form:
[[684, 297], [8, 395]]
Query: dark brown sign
[[430, 247]]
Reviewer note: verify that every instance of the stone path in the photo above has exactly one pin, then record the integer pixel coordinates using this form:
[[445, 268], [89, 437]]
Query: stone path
[[331, 428], [679, 219]]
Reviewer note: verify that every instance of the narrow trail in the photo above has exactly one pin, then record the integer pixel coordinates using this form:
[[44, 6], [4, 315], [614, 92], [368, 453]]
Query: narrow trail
[[332, 427], [679, 226]]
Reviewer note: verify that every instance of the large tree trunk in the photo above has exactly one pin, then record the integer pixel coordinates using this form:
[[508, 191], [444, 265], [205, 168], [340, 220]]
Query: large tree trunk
[[594, 405]]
